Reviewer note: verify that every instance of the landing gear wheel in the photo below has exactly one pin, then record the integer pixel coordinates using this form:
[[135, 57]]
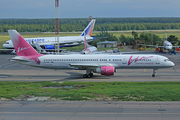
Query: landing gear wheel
[[170, 53], [154, 72], [88, 76], [91, 74], [84, 76]]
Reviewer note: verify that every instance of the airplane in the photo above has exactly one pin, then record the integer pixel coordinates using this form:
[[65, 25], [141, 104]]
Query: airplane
[[87, 48], [66, 41], [101, 63], [166, 45]]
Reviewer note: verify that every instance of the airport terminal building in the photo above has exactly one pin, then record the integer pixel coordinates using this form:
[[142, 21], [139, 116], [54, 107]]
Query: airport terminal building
[[107, 44]]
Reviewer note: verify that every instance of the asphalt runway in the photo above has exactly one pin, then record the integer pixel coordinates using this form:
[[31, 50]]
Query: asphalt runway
[[10, 71], [88, 110]]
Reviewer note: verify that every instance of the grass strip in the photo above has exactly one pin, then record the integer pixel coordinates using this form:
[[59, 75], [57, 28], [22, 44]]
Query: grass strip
[[117, 91]]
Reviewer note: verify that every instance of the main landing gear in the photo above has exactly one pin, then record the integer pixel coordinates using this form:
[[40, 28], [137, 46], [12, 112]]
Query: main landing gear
[[88, 74], [170, 52], [154, 72]]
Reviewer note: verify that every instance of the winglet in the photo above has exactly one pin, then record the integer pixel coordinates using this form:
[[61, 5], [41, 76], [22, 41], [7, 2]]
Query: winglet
[[88, 30], [21, 46]]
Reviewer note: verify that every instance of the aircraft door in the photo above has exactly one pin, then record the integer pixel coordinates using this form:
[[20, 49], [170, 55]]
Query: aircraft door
[[124, 60], [157, 61]]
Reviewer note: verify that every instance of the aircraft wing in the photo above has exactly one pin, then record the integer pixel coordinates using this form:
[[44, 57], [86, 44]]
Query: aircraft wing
[[147, 45], [84, 66], [88, 65], [151, 45], [175, 46], [160, 46]]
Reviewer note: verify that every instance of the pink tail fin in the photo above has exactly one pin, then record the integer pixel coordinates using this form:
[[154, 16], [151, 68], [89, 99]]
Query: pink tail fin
[[85, 44], [21, 46]]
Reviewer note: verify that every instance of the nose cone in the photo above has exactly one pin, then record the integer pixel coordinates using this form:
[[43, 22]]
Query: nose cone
[[4, 45], [170, 47], [171, 64]]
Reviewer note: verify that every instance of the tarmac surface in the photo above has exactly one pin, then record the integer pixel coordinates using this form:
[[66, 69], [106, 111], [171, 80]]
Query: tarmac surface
[[87, 110]]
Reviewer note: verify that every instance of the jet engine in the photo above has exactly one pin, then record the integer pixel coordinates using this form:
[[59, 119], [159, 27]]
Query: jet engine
[[105, 70], [47, 46], [157, 49], [178, 49]]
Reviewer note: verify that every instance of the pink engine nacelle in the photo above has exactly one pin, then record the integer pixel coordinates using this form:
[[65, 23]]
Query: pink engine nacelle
[[106, 70]]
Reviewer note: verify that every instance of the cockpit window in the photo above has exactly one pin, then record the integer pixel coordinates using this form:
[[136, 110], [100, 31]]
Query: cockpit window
[[6, 42], [166, 60]]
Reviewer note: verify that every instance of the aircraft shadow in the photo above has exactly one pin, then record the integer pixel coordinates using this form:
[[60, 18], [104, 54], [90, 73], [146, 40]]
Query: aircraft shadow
[[79, 76]]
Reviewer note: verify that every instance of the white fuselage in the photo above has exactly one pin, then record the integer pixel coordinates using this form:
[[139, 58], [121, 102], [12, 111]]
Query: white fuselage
[[167, 45], [95, 61], [74, 40]]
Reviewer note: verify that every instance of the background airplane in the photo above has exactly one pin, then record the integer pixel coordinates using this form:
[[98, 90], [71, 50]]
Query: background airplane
[[103, 64], [87, 48], [66, 41], [166, 45]]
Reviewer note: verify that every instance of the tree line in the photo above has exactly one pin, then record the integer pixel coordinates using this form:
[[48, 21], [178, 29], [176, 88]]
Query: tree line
[[98, 20], [102, 24], [97, 27]]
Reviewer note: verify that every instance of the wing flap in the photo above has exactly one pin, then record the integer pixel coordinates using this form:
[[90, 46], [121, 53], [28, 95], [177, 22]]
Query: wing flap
[[84, 65], [88, 65]]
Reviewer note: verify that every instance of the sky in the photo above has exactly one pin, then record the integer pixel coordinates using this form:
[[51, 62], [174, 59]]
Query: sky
[[85, 8]]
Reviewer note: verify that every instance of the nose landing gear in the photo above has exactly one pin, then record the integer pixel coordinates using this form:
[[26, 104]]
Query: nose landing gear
[[170, 52], [154, 72]]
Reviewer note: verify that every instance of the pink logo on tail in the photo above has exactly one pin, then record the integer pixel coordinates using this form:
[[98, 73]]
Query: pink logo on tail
[[21, 46]]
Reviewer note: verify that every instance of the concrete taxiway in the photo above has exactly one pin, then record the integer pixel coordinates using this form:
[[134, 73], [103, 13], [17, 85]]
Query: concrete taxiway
[[10, 71], [89, 110]]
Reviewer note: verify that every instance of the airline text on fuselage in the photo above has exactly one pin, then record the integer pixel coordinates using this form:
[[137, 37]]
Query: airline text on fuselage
[[35, 40], [137, 59]]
